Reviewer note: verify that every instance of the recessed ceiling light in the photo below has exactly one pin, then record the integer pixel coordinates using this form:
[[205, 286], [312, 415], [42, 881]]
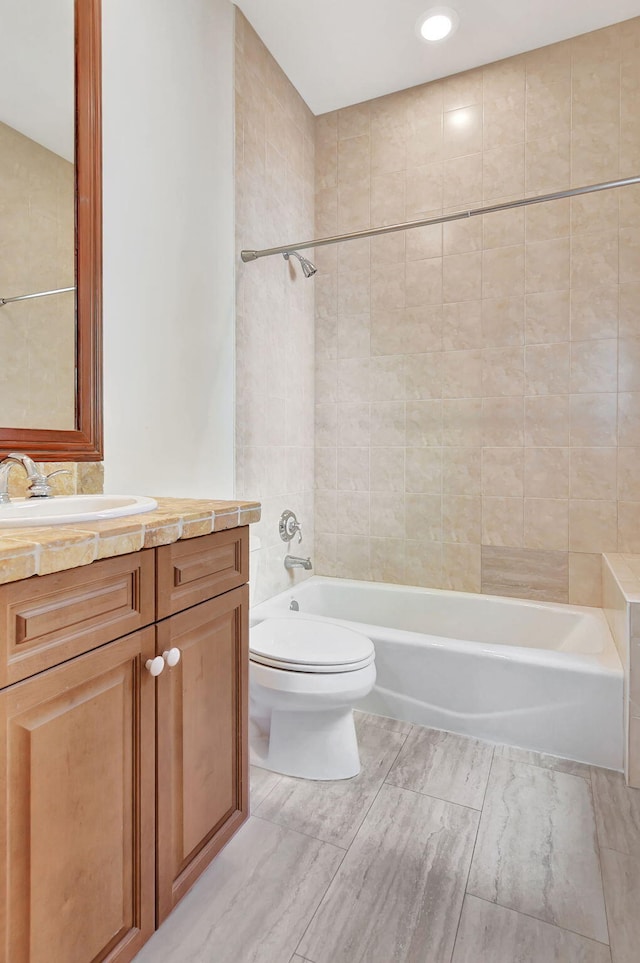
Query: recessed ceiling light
[[437, 24]]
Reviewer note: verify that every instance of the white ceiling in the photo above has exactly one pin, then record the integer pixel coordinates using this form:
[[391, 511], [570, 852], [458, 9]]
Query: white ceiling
[[340, 52], [37, 71]]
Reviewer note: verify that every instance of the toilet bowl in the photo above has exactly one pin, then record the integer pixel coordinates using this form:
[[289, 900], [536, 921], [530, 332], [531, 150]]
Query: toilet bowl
[[304, 677]]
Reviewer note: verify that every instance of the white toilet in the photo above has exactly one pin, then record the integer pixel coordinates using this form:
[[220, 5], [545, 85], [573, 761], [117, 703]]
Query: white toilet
[[305, 676]]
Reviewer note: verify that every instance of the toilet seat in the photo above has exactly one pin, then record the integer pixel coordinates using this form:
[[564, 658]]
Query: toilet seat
[[303, 645]]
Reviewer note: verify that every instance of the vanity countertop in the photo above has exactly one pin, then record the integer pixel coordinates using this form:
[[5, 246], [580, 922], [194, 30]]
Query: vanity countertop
[[39, 551]]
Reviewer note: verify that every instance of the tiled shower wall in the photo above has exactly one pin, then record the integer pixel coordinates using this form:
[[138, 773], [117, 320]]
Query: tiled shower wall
[[478, 383], [275, 307]]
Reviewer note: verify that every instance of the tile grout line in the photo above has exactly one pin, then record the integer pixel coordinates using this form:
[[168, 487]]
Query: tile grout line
[[289, 829], [473, 852], [538, 919], [322, 898], [599, 848], [429, 795]]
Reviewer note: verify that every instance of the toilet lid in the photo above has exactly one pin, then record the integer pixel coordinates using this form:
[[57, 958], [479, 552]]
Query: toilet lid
[[304, 645]]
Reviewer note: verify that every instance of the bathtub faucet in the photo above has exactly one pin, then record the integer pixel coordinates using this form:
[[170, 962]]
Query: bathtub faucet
[[292, 561]]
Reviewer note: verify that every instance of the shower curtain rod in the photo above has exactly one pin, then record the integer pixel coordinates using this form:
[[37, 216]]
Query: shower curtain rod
[[459, 216], [40, 294]]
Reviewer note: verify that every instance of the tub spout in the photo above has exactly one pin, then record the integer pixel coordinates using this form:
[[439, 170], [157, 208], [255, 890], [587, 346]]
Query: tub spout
[[292, 561]]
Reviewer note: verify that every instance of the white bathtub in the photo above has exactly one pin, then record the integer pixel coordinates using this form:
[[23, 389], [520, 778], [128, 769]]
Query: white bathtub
[[531, 674]]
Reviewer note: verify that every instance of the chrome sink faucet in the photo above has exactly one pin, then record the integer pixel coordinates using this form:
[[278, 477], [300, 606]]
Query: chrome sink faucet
[[39, 486]]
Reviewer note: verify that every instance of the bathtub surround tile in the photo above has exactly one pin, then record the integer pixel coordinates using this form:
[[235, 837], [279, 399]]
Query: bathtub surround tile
[[489, 933], [333, 811], [621, 878], [617, 812], [445, 765], [542, 819], [525, 573], [398, 893], [253, 903]]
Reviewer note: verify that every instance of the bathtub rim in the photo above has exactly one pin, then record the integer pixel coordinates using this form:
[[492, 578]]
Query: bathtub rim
[[607, 662]]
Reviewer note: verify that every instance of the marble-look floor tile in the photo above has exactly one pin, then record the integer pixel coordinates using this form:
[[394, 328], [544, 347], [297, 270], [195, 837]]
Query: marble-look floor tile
[[544, 760], [490, 933], [383, 722], [252, 904], [617, 811], [445, 765], [537, 851], [398, 894], [262, 782], [621, 875], [333, 811]]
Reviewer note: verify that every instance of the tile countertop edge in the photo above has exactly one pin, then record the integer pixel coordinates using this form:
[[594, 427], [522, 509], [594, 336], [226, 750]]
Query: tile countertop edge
[[625, 569], [25, 552]]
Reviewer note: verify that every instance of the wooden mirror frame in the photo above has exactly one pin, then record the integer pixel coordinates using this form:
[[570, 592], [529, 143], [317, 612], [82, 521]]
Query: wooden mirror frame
[[85, 442]]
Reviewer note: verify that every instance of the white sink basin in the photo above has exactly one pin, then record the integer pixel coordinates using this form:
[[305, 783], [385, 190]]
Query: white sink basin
[[66, 509]]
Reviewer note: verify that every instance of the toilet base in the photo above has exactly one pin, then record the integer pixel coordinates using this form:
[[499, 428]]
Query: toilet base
[[313, 745]]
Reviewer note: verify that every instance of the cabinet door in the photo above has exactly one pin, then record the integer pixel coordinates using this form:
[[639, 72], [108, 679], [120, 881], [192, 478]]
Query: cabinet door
[[202, 730], [77, 808]]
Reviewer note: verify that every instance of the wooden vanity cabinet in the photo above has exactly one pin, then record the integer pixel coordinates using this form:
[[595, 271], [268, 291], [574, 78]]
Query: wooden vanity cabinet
[[119, 788], [77, 808]]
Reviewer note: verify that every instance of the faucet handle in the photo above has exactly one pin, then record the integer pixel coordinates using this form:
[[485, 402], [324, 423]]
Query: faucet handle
[[288, 526], [40, 487]]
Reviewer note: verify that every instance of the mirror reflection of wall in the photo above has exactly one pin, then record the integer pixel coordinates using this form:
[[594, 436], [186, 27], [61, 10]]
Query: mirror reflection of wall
[[37, 214]]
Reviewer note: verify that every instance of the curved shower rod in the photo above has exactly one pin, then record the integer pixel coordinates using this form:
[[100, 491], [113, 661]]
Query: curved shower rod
[[459, 216]]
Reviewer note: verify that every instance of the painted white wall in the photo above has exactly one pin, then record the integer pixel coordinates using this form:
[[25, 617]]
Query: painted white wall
[[168, 247]]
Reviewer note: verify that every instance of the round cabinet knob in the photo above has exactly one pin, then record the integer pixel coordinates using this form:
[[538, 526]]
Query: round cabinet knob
[[155, 666], [171, 657]]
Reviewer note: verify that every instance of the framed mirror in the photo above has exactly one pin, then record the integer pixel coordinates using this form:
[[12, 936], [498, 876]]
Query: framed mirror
[[51, 206]]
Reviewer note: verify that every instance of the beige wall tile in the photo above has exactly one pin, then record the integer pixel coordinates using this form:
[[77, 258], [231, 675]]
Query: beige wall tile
[[423, 563], [462, 130], [502, 422], [502, 371], [387, 514], [594, 312], [503, 471], [546, 472], [503, 272], [387, 560], [502, 521], [592, 526], [461, 374], [387, 470], [629, 474], [547, 265], [462, 277], [593, 420], [546, 421], [462, 325], [499, 331], [461, 518], [628, 527], [424, 423], [594, 366], [461, 567], [504, 228], [594, 473], [547, 221], [546, 523], [461, 471], [547, 317], [423, 470], [352, 557], [585, 579], [502, 321], [547, 369], [423, 518]]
